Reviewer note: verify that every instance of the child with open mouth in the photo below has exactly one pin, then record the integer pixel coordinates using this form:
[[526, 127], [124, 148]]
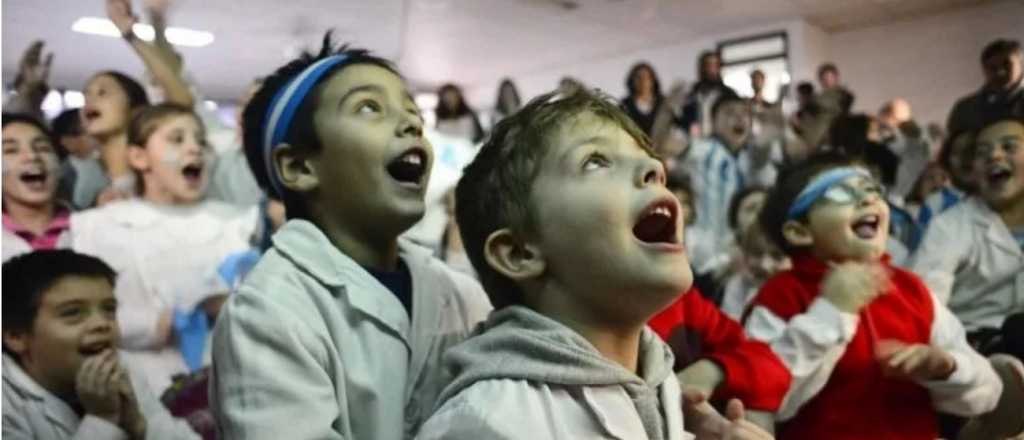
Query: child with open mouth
[[166, 244], [873, 353]]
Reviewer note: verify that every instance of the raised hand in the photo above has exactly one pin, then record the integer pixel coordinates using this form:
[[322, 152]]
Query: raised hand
[[34, 70], [851, 286], [132, 420], [97, 386], [920, 362], [702, 420], [120, 13]]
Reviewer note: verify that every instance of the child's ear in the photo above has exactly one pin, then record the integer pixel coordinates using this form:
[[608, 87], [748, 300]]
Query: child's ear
[[15, 341], [295, 169], [137, 158], [512, 257], [797, 234]]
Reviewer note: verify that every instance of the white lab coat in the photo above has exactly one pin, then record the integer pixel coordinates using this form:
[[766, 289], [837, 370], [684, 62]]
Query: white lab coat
[[166, 257], [31, 412], [13, 245], [969, 259], [509, 409], [312, 346]]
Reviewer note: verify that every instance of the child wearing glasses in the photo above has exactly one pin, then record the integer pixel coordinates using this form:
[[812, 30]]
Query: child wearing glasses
[[872, 353]]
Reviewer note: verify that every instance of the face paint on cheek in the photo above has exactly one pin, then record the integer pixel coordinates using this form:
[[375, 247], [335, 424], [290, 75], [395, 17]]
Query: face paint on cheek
[[50, 163], [172, 158]]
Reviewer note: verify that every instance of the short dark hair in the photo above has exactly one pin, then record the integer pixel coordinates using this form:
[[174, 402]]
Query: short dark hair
[[27, 277], [723, 100], [12, 118], [302, 132], [68, 123], [805, 88], [827, 67], [792, 180], [634, 71], [678, 180], [21, 118], [136, 93], [734, 203], [757, 72], [496, 188], [999, 47], [946, 151]]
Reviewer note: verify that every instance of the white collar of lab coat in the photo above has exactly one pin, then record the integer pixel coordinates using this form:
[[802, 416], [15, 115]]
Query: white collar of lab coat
[[996, 232], [56, 410], [304, 243]]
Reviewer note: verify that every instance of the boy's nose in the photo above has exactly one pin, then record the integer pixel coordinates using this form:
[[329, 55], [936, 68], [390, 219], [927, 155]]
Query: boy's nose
[[410, 126], [652, 172]]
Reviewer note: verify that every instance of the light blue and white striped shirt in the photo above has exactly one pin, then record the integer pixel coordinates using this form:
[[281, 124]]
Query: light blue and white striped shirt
[[717, 175]]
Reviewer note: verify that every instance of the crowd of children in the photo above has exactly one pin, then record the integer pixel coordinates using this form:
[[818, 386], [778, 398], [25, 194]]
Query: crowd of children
[[689, 265]]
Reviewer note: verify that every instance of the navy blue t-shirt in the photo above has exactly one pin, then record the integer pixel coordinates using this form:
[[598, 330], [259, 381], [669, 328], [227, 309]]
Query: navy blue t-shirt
[[399, 282]]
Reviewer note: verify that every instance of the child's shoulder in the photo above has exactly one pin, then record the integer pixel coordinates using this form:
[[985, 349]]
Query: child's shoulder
[[511, 408], [445, 282]]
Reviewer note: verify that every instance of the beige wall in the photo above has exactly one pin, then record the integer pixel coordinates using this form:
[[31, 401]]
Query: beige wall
[[930, 61]]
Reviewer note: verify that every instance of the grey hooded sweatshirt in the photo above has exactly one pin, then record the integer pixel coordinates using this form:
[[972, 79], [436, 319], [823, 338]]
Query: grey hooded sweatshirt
[[522, 375]]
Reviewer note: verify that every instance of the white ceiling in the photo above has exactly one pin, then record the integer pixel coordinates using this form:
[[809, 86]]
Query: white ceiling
[[434, 41]]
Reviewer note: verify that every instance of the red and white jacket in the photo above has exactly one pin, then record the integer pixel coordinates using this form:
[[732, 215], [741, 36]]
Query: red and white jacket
[[839, 391]]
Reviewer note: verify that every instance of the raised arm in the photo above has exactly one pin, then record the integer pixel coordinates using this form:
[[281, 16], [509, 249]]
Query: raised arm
[[157, 60]]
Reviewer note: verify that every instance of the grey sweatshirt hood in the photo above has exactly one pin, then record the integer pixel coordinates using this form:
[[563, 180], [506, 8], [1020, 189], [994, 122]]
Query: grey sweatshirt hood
[[519, 343]]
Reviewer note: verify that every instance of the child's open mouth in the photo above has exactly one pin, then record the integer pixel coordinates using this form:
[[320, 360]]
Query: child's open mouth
[[91, 114], [34, 179], [93, 348], [193, 173], [657, 224], [998, 175], [410, 167], [866, 227]]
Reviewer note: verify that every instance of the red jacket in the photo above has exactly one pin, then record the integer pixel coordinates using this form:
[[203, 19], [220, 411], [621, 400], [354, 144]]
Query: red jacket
[[858, 402], [695, 328]]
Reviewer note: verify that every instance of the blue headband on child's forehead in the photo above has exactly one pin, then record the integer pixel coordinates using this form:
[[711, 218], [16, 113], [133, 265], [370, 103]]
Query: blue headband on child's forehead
[[283, 108], [819, 186]]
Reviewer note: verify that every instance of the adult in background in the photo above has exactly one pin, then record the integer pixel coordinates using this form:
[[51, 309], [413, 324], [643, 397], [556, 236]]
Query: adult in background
[[644, 97], [1001, 96]]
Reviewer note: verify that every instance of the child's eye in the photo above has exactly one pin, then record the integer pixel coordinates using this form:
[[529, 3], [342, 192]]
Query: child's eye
[[595, 161], [367, 107], [110, 308], [70, 312], [44, 147]]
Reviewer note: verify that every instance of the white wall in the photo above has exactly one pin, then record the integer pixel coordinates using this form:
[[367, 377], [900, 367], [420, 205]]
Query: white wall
[[931, 61], [673, 61]]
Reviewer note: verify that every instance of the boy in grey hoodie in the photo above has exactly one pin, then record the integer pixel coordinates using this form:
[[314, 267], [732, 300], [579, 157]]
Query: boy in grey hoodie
[[582, 247]]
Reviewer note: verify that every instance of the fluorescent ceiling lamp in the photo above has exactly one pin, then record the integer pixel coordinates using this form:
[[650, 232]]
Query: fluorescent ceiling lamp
[[177, 36]]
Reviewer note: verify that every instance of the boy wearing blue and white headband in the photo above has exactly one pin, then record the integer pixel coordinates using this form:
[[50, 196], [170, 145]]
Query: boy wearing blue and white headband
[[339, 329], [872, 352]]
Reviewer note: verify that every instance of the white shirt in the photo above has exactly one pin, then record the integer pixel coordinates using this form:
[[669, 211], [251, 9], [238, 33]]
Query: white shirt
[[314, 347], [166, 258]]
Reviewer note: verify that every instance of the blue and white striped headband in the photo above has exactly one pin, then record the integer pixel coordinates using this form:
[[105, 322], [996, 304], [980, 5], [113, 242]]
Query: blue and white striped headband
[[283, 108], [819, 186]]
